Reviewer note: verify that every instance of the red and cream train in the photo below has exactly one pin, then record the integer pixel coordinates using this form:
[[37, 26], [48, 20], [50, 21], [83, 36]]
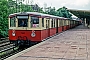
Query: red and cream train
[[28, 27]]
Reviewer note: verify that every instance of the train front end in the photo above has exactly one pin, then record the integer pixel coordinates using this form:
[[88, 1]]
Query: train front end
[[24, 28]]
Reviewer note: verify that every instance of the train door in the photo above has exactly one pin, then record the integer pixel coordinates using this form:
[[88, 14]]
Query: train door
[[57, 26], [47, 27]]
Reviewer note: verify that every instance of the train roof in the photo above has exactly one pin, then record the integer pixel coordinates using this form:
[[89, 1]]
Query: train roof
[[36, 13], [39, 14]]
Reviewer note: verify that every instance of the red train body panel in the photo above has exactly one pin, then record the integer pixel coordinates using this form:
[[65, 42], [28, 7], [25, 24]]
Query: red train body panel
[[26, 34], [21, 34], [52, 31], [59, 29]]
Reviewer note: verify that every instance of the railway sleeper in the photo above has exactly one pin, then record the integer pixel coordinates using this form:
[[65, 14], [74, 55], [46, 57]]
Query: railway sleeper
[[7, 46], [4, 44], [4, 41], [8, 52], [7, 49]]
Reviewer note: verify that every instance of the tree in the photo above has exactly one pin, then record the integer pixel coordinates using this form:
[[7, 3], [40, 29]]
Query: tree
[[62, 12], [3, 18], [41, 10], [27, 8], [11, 6], [21, 7], [50, 11]]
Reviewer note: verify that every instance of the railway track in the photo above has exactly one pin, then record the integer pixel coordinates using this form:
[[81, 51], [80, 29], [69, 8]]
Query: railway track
[[7, 49]]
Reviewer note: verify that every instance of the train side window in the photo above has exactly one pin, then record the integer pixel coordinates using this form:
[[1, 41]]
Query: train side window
[[42, 22], [12, 22], [34, 21], [64, 22], [52, 23], [60, 23]]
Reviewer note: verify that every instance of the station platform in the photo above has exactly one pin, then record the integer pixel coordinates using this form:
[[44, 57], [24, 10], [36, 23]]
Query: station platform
[[73, 44]]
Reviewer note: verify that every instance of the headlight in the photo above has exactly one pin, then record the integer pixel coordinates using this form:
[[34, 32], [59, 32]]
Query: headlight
[[33, 34], [13, 34]]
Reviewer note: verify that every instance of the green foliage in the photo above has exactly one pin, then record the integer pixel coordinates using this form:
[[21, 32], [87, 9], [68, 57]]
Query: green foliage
[[3, 18], [26, 8], [63, 12], [50, 11], [41, 11]]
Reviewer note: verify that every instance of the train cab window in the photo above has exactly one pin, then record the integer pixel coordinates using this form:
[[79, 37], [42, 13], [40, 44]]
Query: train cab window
[[34, 22], [12, 22], [22, 21]]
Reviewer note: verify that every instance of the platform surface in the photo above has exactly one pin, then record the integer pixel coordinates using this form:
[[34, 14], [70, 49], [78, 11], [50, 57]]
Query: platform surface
[[73, 44]]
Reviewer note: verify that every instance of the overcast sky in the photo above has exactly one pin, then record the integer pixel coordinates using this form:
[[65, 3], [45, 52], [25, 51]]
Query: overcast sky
[[70, 4]]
